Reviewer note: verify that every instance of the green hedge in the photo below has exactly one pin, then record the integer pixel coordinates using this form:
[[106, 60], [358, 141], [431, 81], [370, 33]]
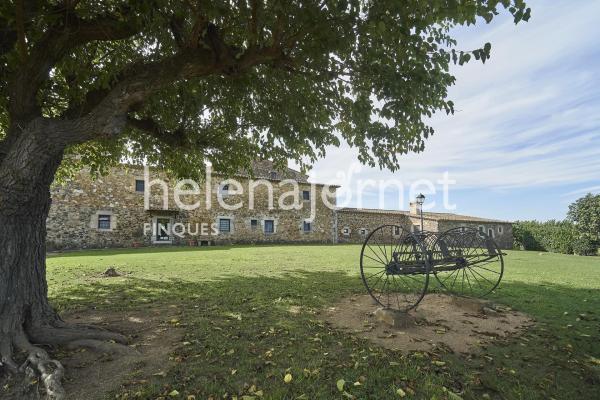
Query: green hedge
[[554, 236], [585, 246]]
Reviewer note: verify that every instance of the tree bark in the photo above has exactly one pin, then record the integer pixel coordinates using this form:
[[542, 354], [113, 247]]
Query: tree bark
[[23, 212], [26, 316]]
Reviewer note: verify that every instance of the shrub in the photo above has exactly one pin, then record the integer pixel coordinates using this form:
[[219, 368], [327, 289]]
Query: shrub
[[554, 236], [585, 246]]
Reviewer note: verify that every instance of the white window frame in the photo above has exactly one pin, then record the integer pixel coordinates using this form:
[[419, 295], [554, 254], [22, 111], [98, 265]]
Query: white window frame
[[224, 189], [155, 226], [305, 191], [500, 229], [264, 226], [363, 231], [231, 224], [346, 231], [95, 217], [103, 216], [135, 182], [310, 225]]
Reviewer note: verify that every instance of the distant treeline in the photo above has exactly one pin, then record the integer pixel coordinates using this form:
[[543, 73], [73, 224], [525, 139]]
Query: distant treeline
[[578, 234]]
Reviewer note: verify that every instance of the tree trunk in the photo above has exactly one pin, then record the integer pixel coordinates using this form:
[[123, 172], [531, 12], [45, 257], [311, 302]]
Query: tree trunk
[[26, 317], [24, 206], [23, 287]]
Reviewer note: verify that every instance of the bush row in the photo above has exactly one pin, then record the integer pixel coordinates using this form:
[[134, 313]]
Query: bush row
[[554, 236]]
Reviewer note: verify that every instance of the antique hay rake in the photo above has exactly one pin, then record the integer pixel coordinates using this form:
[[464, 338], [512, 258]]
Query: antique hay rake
[[396, 264]]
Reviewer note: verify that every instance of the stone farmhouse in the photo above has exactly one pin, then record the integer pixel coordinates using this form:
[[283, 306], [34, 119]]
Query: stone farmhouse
[[113, 211]]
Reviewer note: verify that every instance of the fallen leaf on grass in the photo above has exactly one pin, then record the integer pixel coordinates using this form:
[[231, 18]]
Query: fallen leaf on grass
[[453, 396], [595, 360]]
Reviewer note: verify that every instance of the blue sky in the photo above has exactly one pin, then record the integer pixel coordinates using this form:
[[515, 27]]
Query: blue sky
[[524, 141]]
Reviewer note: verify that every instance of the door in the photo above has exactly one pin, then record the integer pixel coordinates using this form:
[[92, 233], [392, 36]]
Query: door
[[163, 227]]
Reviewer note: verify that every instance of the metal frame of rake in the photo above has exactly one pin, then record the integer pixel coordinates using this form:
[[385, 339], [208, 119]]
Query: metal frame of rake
[[396, 264]]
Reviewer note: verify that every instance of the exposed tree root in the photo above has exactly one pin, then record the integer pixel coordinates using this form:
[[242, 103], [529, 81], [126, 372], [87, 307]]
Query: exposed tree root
[[38, 363], [64, 334], [101, 347]]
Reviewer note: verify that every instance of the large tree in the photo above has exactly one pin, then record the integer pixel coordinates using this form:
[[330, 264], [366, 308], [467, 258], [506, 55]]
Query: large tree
[[585, 214], [178, 82]]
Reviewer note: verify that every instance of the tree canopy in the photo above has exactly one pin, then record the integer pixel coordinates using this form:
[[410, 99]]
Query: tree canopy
[[585, 214], [179, 82]]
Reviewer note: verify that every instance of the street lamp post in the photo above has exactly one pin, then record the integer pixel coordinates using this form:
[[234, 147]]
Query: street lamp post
[[420, 201]]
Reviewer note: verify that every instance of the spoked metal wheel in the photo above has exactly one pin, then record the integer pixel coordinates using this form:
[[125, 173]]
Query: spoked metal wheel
[[394, 267], [467, 262]]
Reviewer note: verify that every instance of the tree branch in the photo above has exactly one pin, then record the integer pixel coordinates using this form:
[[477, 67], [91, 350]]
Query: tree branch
[[176, 138], [20, 23], [107, 115], [176, 27], [68, 33]]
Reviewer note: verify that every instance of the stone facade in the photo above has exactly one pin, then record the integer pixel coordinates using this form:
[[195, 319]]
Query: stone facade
[[353, 225], [111, 212]]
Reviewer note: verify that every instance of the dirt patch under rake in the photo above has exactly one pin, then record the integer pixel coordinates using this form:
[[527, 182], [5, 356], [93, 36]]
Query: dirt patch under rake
[[441, 321]]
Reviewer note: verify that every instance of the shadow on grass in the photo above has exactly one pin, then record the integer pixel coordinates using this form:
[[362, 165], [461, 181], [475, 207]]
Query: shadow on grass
[[178, 249], [243, 333]]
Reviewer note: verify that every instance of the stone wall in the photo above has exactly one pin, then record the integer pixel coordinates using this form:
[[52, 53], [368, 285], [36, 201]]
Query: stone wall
[[429, 224], [353, 226], [500, 231], [72, 220], [77, 204]]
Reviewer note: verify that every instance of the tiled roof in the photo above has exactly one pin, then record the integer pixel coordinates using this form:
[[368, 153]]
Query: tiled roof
[[265, 169], [262, 169], [426, 215]]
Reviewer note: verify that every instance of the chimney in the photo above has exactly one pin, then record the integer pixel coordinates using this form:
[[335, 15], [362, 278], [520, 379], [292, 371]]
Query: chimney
[[414, 208]]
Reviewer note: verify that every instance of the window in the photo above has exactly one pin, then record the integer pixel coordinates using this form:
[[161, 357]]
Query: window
[[224, 190], [499, 229], [139, 185], [363, 231], [491, 232], [305, 195], [306, 226], [104, 222], [346, 231], [269, 226], [396, 230], [224, 225], [273, 175], [481, 228], [253, 224]]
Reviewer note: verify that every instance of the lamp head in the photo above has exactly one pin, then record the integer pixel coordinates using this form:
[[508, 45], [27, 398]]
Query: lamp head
[[420, 199]]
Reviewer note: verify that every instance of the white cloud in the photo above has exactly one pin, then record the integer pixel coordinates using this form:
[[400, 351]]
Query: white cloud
[[529, 117]]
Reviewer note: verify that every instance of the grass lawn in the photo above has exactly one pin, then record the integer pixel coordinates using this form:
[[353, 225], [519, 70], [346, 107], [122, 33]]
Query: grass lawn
[[241, 333]]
